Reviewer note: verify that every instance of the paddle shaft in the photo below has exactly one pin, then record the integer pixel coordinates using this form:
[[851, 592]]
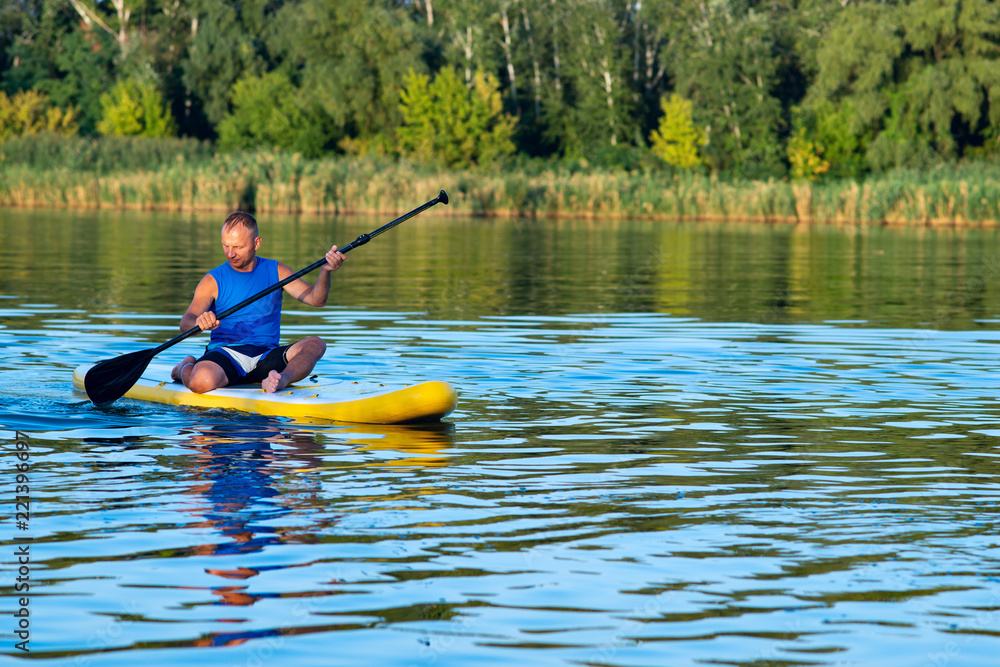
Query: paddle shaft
[[361, 240]]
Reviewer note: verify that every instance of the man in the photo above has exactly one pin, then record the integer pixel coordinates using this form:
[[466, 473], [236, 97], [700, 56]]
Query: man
[[244, 346]]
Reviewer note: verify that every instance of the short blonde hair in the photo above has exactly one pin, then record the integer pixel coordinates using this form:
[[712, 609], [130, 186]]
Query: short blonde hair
[[241, 219]]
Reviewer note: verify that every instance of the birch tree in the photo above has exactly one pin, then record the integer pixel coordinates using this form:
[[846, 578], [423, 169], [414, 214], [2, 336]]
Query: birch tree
[[467, 36], [353, 56], [592, 109], [116, 25], [722, 58]]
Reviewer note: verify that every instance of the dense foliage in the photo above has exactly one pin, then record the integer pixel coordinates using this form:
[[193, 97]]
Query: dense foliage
[[810, 89]]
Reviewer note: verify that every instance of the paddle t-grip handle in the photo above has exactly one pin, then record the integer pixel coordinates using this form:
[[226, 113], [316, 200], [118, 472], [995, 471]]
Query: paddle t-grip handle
[[365, 238]]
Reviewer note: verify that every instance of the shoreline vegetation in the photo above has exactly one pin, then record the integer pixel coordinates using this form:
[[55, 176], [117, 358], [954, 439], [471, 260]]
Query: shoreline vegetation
[[187, 175], [797, 112]]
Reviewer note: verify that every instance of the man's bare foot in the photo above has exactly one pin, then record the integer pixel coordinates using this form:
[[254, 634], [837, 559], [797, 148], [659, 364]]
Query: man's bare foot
[[273, 382], [175, 374]]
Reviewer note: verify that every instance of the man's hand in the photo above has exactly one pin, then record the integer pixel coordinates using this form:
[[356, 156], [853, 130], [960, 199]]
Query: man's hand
[[207, 321], [333, 260]]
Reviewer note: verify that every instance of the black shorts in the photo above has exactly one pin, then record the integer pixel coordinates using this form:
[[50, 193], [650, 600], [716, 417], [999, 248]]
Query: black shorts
[[241, 368]]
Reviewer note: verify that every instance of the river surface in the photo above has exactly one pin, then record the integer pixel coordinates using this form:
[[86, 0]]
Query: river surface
[[675, 444]]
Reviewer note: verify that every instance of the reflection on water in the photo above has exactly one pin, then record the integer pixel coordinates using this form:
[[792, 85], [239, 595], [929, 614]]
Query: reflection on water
[[233, 464], [125, 267], [744, 481]]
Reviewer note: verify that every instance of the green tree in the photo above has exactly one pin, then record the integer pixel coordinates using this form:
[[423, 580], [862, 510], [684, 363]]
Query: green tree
[[75, 50], [449, 122], [54, 53], [806, 157], [18, 21], [113, 17], [228, 41], [469, 36], [723, 59], [29, 112], [920, 76], [353, 56], [135, 109], [592, 108], [825, 129], [677, 139], [798, 29], [646, 36], [267, 113]]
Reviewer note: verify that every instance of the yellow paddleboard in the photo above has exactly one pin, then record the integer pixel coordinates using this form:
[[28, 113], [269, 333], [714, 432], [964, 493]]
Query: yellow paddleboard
[[337, 400]]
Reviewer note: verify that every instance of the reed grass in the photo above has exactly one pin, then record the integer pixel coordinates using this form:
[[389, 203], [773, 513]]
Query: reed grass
[[105, 155], [186, 175]]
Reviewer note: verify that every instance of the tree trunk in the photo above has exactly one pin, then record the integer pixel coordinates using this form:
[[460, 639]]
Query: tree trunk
[[187, 89], [583, 59], [704, 20], [505, 22], [124, 14], [611, 103], [636, 25], [653, 78], [555, 50], [466, 45], [608, 88], [537, 81], [90, 18]]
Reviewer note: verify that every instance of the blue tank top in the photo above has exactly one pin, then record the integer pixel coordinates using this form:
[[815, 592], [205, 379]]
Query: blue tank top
[[256, 324]]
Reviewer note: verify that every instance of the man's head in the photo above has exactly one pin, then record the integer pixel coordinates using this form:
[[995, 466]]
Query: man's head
[[240, 240]]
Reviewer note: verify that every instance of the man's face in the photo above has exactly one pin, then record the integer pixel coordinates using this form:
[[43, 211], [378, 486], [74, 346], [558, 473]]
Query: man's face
[[240, 247]]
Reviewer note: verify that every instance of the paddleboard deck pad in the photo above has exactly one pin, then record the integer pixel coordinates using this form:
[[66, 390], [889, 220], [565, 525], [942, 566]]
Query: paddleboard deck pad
[[333, 399]]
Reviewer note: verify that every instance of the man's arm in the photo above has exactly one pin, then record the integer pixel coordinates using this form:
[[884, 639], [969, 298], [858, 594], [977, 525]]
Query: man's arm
[[198, 313], [313, 295]]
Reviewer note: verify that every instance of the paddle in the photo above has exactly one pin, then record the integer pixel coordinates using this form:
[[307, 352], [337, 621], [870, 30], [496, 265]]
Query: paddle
[[108, 380]]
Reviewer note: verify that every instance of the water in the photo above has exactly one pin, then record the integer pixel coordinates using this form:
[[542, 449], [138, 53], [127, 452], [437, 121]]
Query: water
[[676, 444]]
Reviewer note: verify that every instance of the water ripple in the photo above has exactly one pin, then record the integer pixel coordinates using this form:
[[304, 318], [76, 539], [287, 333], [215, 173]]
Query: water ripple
[[618, 490]]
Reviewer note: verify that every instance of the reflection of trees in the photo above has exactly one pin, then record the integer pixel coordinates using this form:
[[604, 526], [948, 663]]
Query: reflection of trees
[[718, 272]]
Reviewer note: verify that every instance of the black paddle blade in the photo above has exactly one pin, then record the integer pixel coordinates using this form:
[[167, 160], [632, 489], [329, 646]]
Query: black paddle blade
[[108, 380]]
